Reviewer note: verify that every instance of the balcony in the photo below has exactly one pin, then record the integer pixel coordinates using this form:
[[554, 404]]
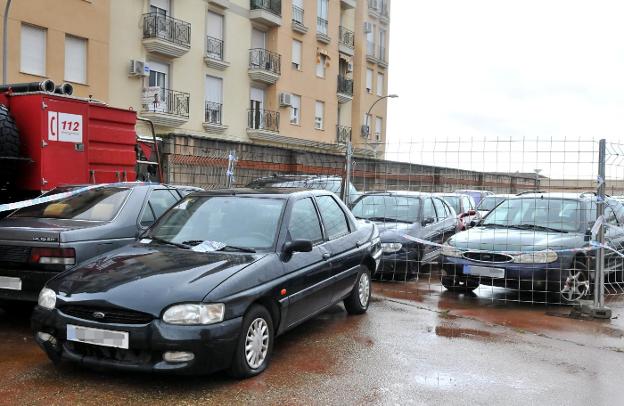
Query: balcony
[[345, 89], [267, 12], [346, 40], [297, 20], [262, 124], [166, 35], [384, 15], [213, 114], [165, 107], [214, 54], [371, 55], [264, 66], [383, 58], [322, 29], [343, 134], [365, 132], [373, 8], [346, 4]]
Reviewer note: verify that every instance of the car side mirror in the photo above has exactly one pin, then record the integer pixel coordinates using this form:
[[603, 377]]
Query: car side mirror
[[296, 246], [427, 221], [471, 213]]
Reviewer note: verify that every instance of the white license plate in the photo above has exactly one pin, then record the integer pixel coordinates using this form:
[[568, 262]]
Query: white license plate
[[96, 336], [484, 271], [10, 283]]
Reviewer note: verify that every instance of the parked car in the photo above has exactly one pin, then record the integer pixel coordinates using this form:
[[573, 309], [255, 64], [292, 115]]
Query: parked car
[[330, 183], [38, 242], [204, 291], [477, 195], [490, 202], [537, 242], [399, 214], [465, 208]]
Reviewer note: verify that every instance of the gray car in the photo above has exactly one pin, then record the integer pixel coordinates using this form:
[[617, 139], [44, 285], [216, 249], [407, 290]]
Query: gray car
[[37, 242]]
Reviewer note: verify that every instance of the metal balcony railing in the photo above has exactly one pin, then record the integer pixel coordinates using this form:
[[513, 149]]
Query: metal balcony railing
[[383, 8], [347, 37], [213, 112], [274, 6], [214, 48], [297, 15], [258, 119], [345, 86], [382, 53], [365, 131], [167, 28], [343, 134], [321, 25], [265, 60], [373, 5], [167, 101], [370, 49]]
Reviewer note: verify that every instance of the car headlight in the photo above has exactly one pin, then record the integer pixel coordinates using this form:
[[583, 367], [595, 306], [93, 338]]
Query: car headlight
[[47, 299], [194, 314], [450, 251], [389, 247], [538, 257]]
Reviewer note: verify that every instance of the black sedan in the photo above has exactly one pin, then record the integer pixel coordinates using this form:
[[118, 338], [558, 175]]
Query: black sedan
[[211, 284], [412, 226]]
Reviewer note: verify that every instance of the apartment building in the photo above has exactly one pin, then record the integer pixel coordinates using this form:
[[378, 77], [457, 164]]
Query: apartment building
[[264, 71], [61, 40]]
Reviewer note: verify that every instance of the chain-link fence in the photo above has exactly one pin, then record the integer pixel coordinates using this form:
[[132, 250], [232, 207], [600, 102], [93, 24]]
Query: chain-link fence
[[507, 219]]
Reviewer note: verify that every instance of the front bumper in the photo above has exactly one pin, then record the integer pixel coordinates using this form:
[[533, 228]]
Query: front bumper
[[212, 345], [402, 262]]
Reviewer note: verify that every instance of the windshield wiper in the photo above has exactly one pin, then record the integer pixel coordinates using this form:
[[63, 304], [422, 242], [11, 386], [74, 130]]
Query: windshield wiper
[[536, 227], [388, 219], [175, 244], [192, 243], [235, 248]]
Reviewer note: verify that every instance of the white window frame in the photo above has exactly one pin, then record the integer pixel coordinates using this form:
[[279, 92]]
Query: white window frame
[[369, 80], [320, 66], [36, 64], [378, 128], [72, 73], [319, 115], [380, 84], [295, 109], [296, 51]]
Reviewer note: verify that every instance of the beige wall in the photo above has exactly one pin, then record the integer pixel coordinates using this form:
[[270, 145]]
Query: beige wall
[[82, 18]]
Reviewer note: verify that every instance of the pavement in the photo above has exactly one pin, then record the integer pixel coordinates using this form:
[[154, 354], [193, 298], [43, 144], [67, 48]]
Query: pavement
[[418, 344]]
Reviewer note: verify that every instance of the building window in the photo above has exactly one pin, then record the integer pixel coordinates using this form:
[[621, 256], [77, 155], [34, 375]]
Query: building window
[[160, 7], [380, 84], [319, 112], [214, 36], [369, 80], [296, 54], [378, 128], [214, 100], [321, 14], [295, 109], [320, 66], [75, 59], [33, 50]]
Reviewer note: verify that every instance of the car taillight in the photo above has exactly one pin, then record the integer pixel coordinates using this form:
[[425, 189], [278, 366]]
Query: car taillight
[[53, 256]]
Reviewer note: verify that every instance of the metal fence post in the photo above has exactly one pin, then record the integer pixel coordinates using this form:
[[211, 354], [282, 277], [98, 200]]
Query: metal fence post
[[230, 169], [347, 178]]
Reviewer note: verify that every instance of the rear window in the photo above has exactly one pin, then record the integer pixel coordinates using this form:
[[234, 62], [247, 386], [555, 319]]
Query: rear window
[[101, 204]]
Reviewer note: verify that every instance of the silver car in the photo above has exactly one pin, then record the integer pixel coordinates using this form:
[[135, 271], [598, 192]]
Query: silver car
[[40, 241]]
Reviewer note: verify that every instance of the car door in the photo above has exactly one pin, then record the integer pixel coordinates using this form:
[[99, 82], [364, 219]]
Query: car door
[[431, 231], [341, 245], [308, 272], [614, 236]]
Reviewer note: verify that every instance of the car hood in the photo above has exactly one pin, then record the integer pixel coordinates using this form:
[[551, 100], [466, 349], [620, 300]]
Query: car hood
[[148, 278], [392, 232], [506, 239]]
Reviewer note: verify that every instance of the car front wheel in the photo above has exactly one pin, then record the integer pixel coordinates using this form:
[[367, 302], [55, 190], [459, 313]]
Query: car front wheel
[[255, 344], [359, 299]]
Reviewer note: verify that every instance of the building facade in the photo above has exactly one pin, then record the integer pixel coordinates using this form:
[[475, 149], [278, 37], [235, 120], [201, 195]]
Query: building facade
[[300, 72], [63, 40]]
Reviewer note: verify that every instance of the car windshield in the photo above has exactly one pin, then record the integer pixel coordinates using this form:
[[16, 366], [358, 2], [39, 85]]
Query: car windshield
[[488, 203], [236, 221], [537, 214], [388, 208], [101, 204], [453, 201]]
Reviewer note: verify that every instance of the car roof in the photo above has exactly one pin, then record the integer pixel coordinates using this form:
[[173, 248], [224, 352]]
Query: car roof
[[280, 192], [557, 195], [294, 178], [128, 185], [398, 193], [454, 194]]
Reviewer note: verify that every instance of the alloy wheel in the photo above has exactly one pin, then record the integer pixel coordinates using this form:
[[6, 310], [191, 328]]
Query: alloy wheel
[[576, 286]]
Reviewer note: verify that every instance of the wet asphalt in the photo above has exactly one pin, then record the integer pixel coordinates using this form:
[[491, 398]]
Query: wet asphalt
[[418, 344]]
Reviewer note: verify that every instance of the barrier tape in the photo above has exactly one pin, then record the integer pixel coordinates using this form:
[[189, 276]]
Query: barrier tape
[[59, 196]]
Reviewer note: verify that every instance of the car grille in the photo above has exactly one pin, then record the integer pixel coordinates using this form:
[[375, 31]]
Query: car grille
[[487, 257], [14, 253], [130, 357], [115, 316]]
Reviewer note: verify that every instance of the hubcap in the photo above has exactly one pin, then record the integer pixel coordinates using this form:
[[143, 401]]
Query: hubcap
[[576, 286], [257, 343], [364, 289]]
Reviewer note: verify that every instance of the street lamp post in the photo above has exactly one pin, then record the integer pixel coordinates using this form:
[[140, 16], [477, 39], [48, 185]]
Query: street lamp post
[[5, 42]]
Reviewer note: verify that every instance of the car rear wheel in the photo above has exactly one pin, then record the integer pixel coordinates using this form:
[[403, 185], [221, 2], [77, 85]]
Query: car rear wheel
[[577, 284], [359, 299], [459, 283], [255, 344]]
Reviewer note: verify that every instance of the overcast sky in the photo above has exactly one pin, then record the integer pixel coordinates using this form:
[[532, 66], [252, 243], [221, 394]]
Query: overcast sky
[[499, 69]]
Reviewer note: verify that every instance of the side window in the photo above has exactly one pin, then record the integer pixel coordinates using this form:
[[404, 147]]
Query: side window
[[334, 218], [428, 210], [447, 209], [439, 206], [466, 205], [304, 222], [159, 201]]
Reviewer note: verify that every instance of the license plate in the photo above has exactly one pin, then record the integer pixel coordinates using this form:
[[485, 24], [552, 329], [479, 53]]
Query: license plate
[[484, 271], [10, 283], [96, 336]]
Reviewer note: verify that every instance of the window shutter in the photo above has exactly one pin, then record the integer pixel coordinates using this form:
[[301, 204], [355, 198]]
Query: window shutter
[[296, 52], [33, 50], [75, 59], [214, 89], [214, 25]]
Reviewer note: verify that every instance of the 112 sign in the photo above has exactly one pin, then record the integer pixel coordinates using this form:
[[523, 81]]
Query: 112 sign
[[64, 127]]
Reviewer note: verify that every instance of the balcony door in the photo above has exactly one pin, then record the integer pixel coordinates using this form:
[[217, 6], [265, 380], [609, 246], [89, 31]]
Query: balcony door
[[160, 7], [256, 108], [214, 34], [214, 99], [158, 86]]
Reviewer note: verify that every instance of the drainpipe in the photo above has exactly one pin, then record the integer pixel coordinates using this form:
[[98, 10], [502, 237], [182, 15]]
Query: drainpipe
[[4, 42]]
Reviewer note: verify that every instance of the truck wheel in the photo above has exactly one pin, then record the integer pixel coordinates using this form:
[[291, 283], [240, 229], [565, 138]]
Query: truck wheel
[[9, 147]]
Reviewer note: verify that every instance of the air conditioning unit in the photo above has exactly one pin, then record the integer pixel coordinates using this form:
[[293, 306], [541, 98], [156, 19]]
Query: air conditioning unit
[[368, 27], [138, 68], [285, 100]]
